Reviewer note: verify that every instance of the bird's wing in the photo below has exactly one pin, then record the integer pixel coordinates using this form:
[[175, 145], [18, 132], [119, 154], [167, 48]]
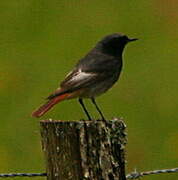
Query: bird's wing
[[90, 69], [87, 72], [75, 80], [78, 78]]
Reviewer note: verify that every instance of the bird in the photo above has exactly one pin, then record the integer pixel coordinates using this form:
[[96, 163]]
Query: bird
[[92, 76]]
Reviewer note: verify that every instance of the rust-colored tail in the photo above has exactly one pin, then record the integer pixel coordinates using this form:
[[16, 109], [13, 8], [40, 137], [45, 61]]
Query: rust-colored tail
[[47, 106]]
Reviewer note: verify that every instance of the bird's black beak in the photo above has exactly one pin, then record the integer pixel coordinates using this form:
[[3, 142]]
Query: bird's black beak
[[133, 39]]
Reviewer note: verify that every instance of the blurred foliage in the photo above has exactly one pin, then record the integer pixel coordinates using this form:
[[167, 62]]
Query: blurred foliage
[[40, 41]]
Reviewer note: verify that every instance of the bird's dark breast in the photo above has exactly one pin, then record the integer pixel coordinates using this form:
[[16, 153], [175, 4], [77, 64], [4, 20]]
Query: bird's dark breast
[[105, 83]]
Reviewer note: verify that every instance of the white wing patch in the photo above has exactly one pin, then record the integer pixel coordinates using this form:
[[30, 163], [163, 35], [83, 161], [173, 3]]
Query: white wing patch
[[79, 76]]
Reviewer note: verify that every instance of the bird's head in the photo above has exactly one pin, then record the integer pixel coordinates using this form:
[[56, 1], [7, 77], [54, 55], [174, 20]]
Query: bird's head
[[114, 44]]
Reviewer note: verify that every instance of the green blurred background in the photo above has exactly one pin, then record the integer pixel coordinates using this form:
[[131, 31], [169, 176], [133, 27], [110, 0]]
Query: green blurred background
[[40, 41]]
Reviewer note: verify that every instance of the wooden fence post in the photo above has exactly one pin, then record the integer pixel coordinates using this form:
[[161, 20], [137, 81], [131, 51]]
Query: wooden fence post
[[84, 150]]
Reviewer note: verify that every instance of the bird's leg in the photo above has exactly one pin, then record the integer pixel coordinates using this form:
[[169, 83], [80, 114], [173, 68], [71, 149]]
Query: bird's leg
[[84, 108], [94, 102]]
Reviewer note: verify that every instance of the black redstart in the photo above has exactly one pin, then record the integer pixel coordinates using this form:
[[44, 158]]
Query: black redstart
[[93, 75]]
